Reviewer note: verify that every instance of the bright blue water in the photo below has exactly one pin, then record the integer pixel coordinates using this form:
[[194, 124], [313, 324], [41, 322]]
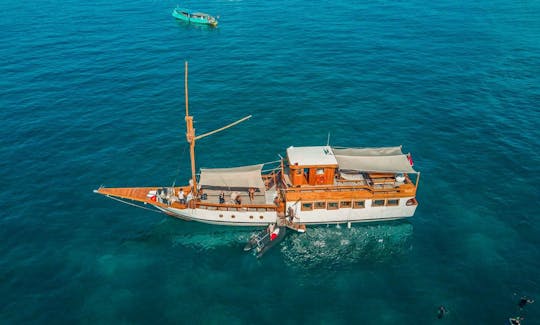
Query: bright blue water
[[92, 93]]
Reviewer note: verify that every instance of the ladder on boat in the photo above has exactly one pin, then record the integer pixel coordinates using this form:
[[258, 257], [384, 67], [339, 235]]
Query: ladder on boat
[[287, 222], [298, 227]]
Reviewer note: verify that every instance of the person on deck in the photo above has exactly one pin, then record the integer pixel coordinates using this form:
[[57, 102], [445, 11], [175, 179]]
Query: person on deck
[[202, 195], [221, 197], [181, 196], [251, 194]]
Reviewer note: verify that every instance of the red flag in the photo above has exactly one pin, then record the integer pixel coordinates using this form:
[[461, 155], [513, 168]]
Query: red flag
[[409, 157]]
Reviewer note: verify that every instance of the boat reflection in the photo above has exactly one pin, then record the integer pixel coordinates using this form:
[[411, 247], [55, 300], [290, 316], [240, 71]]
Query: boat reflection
[[326, 247]]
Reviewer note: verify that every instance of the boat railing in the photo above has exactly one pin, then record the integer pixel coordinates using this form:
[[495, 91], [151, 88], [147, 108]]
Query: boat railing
[[236, 207], [375, 188]]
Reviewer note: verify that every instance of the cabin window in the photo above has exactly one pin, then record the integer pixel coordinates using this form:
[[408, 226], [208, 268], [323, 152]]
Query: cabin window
[[320, 205], [298, 171], [307, 206], [392, 202], [319, 171], [378, 203], [345, 204], [359, 204], [332, 206]]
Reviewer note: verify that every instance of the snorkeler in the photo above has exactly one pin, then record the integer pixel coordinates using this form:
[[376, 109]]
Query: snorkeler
[[442, 311], [524, 301], [516, 320]]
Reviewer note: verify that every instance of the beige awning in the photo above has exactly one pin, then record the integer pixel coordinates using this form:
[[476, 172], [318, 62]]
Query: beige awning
[[382, 151], [245, 176], [387, 159]]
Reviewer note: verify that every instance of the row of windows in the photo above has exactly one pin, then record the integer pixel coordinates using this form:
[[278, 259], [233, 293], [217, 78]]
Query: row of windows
[[233, 216], [308, 206]]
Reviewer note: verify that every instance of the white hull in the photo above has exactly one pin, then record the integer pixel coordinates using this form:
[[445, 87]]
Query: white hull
[[314, 217], [225, 218], [345, 215]]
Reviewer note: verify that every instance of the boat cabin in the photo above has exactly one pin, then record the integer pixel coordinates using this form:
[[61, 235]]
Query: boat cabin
[[311, 165]]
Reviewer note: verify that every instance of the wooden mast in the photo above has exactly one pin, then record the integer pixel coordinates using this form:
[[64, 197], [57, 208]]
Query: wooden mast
[[190, 133]]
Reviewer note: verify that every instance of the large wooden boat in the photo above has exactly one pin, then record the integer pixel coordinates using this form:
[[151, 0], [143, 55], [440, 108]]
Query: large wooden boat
[[311, 185]]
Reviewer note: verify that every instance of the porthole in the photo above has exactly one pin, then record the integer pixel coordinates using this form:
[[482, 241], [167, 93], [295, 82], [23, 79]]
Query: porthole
[[221, 216], [251, 217], [232, 217], [261, 217]]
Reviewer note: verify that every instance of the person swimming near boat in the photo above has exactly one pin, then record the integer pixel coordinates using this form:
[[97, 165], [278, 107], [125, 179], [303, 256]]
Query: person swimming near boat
[[515, 320], [441, 312], [524, 301]]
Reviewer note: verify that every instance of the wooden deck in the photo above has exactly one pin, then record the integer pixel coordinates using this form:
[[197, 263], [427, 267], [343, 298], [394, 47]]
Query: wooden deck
[[211, 198]]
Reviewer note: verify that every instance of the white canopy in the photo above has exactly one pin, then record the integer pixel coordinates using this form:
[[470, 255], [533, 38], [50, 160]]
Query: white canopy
[[387, 159], [245, 176], [382, 151]]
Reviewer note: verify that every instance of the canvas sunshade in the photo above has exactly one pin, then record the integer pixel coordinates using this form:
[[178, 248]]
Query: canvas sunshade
[[245, 176], [388, 159]]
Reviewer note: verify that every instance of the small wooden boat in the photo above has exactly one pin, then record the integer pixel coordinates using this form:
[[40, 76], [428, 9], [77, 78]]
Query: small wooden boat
[[194, 17]]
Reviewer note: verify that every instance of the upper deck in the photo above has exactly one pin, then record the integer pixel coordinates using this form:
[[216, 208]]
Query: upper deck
[[361, 171]]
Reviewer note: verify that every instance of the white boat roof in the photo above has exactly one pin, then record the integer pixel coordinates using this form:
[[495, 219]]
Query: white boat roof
[[309, 156], [383, 159]]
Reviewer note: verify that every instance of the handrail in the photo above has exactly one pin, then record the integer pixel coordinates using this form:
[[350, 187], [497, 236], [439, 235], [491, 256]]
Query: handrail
[[240, 206]]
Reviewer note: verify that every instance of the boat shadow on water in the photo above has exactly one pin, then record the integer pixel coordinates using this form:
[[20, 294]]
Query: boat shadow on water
[[325, 246]]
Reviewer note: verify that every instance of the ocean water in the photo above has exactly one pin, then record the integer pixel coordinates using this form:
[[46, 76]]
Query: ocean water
[[92, 94]]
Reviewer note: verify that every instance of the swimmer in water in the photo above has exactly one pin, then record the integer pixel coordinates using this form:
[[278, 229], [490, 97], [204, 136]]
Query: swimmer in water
[[441, 312], [516, 320], [524, 301]]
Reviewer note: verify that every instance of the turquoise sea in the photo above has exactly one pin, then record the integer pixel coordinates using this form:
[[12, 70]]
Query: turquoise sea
[[91, 93]]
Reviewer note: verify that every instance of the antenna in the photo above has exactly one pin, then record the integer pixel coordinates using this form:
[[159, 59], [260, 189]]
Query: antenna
[[328, 139]]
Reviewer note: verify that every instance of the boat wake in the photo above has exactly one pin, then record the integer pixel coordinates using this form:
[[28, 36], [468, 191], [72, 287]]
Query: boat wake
[[329, 246]]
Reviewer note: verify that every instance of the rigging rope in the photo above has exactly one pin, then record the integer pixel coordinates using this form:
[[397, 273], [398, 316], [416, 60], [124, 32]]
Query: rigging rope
[[135, 205]]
